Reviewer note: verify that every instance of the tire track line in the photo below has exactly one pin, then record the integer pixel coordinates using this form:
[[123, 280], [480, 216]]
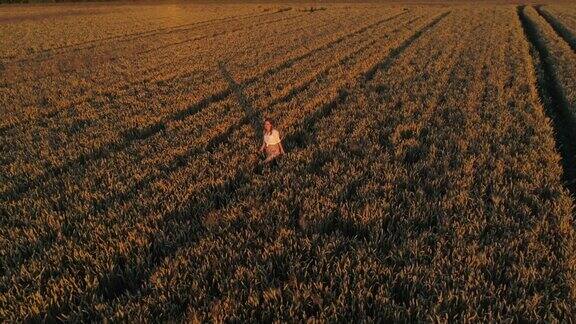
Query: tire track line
[[149, 79], [225, 32], [136, 134], [560, 30], [220, 195], [180, 160], [555, 104]]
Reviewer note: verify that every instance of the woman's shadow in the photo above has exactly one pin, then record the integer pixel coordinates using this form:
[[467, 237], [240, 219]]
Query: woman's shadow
[[253, 115]]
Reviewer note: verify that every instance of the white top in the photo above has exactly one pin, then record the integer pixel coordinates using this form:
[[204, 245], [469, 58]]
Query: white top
[[272, 139]]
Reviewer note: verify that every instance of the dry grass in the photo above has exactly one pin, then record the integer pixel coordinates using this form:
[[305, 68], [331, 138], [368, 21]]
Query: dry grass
[[422, 180]]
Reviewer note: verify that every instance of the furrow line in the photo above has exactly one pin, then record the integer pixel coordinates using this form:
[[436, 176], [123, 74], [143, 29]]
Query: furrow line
[[132, 135], [220, 195], [180, 160], [560, 30], [129, 37], [555, 104]]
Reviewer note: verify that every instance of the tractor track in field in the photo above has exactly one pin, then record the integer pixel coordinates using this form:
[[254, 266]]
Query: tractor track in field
[[181, 160], [45, 54], [560, 30], [116, 283], [220, 195], [132, 135], [551, 97], [201, 37]]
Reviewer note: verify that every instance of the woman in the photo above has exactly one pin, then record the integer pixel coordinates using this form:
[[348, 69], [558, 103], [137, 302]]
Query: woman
[[272, 143]]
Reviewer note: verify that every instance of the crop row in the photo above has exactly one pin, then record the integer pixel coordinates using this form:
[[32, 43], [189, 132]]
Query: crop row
[[450, 223], [99, 72], [554, 62], [108, 180], [166, 206], [91, 135], [558, 55]]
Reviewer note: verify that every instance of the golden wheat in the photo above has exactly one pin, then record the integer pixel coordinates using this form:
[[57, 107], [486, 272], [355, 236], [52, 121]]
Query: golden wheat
[[422, 180]]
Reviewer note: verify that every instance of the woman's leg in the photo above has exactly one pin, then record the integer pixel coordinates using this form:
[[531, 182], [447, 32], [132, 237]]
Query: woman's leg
[[271, 153], [270, 157]]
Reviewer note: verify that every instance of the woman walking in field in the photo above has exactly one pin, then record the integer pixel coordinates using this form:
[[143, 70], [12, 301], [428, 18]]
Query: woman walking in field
[[272, 143]]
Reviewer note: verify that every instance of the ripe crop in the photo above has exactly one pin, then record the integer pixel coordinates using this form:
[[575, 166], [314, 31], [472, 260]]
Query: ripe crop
[[429, 172]]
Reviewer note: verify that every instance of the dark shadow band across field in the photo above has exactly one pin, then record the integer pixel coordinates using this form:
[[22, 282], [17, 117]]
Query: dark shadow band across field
[[252, 114]]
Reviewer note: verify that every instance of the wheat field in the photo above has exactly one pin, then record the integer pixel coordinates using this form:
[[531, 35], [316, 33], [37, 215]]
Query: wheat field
[[428, 175]]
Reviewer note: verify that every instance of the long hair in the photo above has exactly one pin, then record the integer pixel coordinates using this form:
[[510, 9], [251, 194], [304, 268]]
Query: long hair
[[269, 120]]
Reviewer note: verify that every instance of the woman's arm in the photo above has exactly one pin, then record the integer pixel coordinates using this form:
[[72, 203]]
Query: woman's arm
[[280, 143]]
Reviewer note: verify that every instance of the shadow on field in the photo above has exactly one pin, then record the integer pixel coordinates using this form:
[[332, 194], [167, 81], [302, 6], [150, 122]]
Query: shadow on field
[[254, 116]]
